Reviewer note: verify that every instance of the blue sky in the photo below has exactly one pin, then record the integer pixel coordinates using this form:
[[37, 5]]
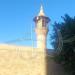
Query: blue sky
[[16, 17]]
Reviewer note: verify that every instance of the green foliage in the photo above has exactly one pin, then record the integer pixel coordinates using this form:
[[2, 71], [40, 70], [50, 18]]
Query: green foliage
[[67, 55], [54, 36]]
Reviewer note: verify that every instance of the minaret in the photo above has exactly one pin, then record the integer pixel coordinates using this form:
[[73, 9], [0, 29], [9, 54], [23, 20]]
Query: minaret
[[41, 29]]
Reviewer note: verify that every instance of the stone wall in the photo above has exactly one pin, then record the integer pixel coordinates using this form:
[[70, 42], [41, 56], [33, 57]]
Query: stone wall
[[19, 60], [16, 60]]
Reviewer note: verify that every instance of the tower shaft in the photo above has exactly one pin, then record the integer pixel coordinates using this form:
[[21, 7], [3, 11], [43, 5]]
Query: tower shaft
[[41, 37], [41, 29]]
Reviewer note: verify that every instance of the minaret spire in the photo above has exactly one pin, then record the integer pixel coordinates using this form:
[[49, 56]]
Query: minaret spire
[[41, 29], [41, 13]]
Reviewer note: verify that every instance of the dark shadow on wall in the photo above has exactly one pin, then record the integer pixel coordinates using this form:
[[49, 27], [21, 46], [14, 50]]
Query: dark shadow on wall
[[53, 68]]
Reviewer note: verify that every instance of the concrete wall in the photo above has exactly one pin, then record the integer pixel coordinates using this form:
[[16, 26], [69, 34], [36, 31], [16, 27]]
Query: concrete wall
[[16, 60], [19, 60]]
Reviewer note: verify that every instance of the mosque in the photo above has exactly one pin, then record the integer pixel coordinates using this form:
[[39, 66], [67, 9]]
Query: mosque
[[21, 60]]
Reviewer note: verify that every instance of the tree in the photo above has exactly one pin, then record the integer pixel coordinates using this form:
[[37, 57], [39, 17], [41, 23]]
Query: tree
[[66, 56]]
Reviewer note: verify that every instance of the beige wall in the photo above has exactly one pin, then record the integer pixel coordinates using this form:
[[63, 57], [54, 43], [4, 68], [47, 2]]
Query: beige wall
[[17, 60]]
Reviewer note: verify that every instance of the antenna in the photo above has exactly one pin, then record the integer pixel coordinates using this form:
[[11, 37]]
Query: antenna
[[32, 37], [41, 2]]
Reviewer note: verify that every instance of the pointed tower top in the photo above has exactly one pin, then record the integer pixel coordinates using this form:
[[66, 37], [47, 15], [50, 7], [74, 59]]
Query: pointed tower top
[[41, 13]]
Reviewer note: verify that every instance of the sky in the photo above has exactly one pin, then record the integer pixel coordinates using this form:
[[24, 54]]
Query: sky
[[16, 19]]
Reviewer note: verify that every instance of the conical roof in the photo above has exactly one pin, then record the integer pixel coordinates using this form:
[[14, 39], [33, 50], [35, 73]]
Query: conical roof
[[41, 13]]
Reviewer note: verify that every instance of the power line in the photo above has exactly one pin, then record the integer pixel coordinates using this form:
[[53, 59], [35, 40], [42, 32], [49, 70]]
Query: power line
[[22, 39], [41, 2]]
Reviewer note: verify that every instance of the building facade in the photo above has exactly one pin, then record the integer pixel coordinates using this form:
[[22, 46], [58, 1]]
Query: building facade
[[23, 60], [19, 60]]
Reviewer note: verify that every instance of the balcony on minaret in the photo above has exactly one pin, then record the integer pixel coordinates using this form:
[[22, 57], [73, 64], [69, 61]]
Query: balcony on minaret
[[41, 20]]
